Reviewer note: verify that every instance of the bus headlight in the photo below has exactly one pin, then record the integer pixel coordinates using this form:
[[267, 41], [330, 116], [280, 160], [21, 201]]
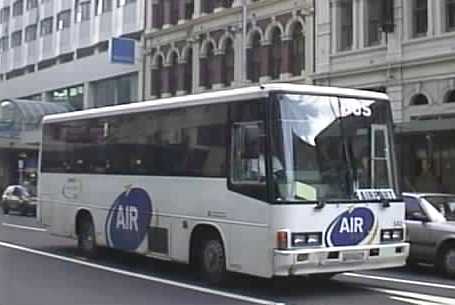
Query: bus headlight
[[306, 239], [391, 235]]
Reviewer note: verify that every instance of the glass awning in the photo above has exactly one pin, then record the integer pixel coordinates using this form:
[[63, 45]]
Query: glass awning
[[18, 115]]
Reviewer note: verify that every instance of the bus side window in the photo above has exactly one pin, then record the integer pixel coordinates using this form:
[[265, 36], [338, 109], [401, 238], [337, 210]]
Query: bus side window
[[248, 162]]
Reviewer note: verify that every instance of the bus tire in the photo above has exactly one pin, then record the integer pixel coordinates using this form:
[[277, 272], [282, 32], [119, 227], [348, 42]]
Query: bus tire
[[86, 239], [213, 261]]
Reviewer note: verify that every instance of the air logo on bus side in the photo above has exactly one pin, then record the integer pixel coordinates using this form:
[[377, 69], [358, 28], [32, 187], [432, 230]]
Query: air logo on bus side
[[128, 219], [355, 226]]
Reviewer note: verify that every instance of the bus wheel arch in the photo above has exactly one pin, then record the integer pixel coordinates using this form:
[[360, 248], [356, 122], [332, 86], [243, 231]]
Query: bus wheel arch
[[86, 233], [208, 245]]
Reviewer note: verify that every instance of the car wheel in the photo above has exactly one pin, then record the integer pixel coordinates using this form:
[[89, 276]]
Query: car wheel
[[5, 209], [448, 262], [86, 240], [213, 261]]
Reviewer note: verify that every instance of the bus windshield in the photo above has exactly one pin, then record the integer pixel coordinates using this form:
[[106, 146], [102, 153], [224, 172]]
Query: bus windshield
[[330, 148]]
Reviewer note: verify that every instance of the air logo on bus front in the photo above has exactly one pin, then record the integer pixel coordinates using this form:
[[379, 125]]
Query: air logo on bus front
[[128, 219], [355, 226]]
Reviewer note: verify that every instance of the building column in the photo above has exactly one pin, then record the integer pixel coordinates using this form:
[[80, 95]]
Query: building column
[[239, 68], [142, 75], [357, 23], [89, 101], [286, 44], [218, 70], [407, 19], [181, 78], [197, 8], [196, 67], [431, 5], [361, 23], [395, 93], [336, 28], [395, 39], [322, 35], [440, 15], [265, 64]]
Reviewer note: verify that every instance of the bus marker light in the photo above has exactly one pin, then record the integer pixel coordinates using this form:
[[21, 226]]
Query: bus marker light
[[282, 240]]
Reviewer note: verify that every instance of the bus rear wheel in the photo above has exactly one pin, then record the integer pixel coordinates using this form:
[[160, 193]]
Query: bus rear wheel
[[86, 240], [213, 261]]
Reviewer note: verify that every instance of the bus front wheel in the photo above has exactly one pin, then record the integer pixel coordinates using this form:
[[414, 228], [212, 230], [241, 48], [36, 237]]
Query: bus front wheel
[[213, 261], [86, 240]]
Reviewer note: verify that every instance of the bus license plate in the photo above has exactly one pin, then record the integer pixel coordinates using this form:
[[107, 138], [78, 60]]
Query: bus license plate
[[353, 256]]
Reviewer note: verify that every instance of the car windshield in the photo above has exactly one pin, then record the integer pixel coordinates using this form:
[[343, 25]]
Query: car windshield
[[331, 147], [444, 204]]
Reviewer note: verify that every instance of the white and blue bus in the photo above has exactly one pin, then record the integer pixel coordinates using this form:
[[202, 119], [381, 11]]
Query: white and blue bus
[[272, 180]]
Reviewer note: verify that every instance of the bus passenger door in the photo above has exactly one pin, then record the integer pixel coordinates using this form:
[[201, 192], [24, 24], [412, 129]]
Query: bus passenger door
[[248, 184]]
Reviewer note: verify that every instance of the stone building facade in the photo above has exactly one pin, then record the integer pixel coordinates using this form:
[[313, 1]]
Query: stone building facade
[[414, 63], [195, 46]]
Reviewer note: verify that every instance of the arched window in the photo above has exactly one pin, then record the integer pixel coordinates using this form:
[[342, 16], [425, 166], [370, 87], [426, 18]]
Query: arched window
[[174, 11], [173, 74], [207, 66], [297, 59], [275, 54], [419, 99], [227, 3], [208, 6], [158, 14], [189, 9], [156, 77], [450, 97], [188, 85], [254, 58], [228, 63]]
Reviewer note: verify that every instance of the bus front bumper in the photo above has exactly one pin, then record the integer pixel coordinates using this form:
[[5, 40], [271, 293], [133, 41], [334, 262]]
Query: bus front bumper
[[342, 259]]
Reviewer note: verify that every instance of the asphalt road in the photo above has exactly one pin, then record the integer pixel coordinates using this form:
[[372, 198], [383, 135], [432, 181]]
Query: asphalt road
[[36, 268]]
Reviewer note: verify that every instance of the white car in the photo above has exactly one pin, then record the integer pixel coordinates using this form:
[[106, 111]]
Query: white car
[[430, 225], [16, 197]]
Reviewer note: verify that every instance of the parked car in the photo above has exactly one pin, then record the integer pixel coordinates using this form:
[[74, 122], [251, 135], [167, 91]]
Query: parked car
[[430, 222], [16, 197]]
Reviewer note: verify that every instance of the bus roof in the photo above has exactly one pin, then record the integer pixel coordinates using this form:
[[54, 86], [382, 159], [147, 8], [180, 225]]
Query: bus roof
[[228, 95]]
